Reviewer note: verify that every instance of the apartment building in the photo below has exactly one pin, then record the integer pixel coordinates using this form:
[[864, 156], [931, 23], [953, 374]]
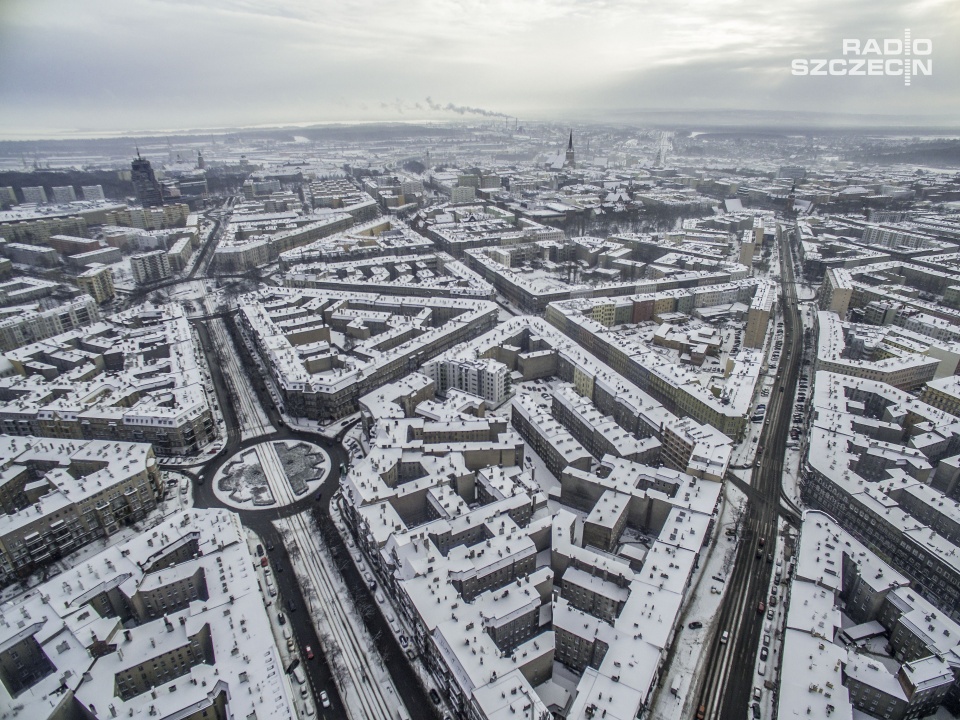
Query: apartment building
[[758, 316], [394, 335], [872, 449], [97, 282], [836, 291], [171, 622], [485, 378], [824, 664], [151, 267], [60, 495], [136, 376], [32, 325]]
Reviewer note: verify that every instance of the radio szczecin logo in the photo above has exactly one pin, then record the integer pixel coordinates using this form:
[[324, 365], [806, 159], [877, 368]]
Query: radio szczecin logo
[[899, 57]]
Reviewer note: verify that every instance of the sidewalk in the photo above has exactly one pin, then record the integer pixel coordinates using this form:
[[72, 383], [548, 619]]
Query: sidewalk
[[396, 621], [281, 635], [689, 654], [358, 670]]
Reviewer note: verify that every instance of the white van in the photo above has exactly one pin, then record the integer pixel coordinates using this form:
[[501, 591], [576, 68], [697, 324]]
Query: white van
[[299, 676], [762, 669]]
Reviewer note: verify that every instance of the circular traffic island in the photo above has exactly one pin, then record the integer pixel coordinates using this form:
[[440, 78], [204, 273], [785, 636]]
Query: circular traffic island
[[271, 475]]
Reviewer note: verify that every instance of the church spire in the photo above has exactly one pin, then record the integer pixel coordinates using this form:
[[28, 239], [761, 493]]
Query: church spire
[[570, 144]]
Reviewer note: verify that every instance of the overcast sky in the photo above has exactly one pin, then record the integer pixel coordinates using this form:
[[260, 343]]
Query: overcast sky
[[86, 66]]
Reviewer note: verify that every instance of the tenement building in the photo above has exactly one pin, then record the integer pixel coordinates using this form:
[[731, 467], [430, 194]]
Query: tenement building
[[169, 624], [876, 456], [61, 494], [326, 348], [135, 376], [859, 641]]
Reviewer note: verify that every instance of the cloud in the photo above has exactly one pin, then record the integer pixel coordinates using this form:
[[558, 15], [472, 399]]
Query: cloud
[[177, 63]]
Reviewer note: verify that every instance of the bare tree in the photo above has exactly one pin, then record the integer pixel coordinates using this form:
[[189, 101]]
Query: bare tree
[[339, 671]]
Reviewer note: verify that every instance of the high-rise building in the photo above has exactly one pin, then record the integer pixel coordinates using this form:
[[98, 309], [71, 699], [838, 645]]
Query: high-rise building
[[150, 267], [97, 282], [34, 195], [7, 196], [92, 192], [463, 194], [145, 183], [64, 194], [486, 378]]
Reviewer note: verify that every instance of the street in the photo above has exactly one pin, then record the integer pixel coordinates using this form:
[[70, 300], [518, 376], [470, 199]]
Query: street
[[254, 403], [731, 666]]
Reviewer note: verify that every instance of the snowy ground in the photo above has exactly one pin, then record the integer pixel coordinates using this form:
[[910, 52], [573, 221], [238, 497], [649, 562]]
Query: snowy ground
[[329, 431], [179, 496], [500, 299], [271, 474], [241, 481], [251, 417]]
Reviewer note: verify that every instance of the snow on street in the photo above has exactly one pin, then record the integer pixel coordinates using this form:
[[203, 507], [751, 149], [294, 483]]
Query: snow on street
[[362, 680], [702, 605]]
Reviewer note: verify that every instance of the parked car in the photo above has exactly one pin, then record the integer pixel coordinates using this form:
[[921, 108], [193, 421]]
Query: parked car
[[695, 625], [281, 619]]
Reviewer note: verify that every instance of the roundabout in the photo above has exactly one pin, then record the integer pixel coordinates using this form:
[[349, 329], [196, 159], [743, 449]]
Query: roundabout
[[272, 474]]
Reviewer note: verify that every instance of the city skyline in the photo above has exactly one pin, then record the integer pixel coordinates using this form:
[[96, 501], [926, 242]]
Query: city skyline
[[142, 66]]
